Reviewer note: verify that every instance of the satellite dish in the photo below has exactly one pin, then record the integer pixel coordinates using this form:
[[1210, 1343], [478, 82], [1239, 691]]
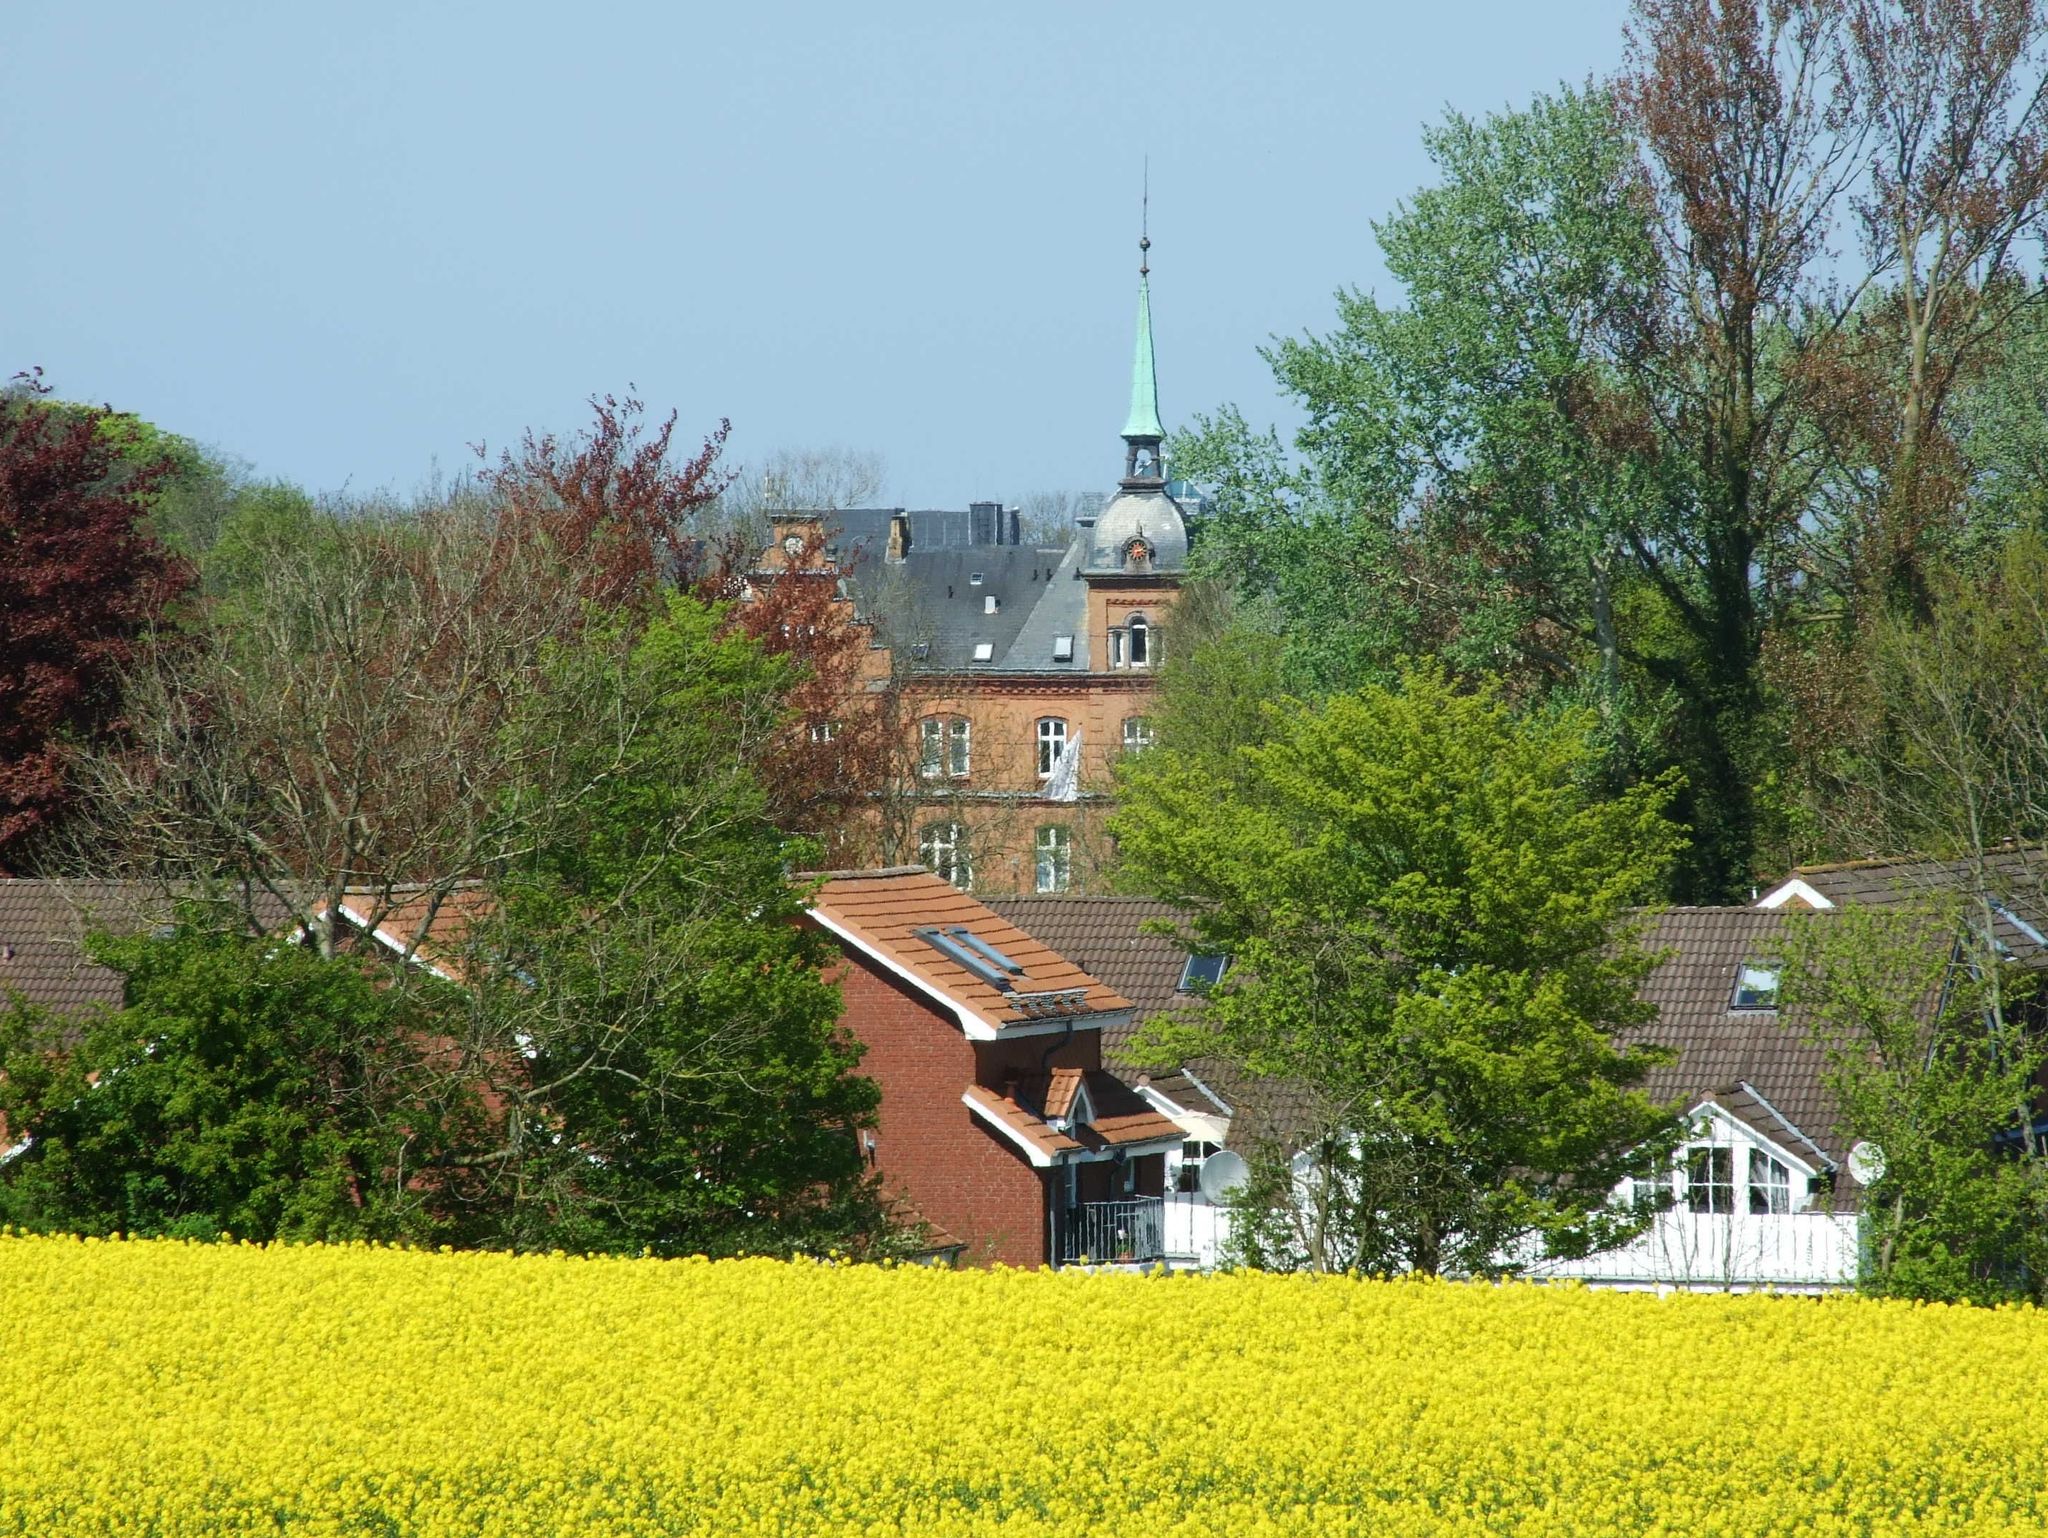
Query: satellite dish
[[1223, 1172], [1866, 1163]]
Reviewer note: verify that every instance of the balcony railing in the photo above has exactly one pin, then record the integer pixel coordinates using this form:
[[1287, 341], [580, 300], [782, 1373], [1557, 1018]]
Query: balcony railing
[[1129, 1231]]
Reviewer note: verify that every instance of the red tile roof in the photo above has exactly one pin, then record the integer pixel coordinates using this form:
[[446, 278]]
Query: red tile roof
[[881, 911]]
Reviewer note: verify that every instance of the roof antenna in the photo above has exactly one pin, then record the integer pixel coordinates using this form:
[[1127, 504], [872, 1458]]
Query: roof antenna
[[1145, 222]]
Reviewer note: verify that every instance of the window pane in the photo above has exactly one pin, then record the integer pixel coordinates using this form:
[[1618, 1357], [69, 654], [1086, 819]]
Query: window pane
[[1770, 1183], [1139, 637], [1710, 1179], [1052, 737], [928, 748], [1055, 847], [942, 846], [1756, 987], [960, 733], [1137, 733]]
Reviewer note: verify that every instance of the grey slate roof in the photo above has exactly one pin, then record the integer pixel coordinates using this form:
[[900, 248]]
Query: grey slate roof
[[930, 598]]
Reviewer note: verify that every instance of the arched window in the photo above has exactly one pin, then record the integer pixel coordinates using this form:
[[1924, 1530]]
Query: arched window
[[1141, 641], [942, 849], [943, 747], [1137, 733], [1055, 858], [1052, 741]]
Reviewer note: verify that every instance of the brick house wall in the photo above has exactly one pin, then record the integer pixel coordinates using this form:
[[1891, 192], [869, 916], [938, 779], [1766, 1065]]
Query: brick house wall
[[954, 1169]]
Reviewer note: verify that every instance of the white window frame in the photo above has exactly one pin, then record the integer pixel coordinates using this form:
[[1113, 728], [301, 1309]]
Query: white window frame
[[1053, 858], [1137, 733], [942, 849], [944, 747], [1756, 986], [1139, 629], [1052, 742], [1709, 1155], [1770, 1184], [1194, 1153]]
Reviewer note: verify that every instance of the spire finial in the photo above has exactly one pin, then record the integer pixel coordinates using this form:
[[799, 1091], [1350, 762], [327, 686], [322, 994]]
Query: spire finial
[[1143, 429], [1145, 221]]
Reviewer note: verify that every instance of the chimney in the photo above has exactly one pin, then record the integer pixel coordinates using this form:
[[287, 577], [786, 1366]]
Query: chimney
[[899, 535], [985, 520]]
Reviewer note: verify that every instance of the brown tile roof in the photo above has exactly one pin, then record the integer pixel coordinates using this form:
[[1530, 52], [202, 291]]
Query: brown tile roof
[[1062, 1084], [1026, 1126], [43, 925], [1722, 1048], [437, 945], [1103, 934], [881, 910], [1120, 1115], [1026, 1106], [2015, 878]]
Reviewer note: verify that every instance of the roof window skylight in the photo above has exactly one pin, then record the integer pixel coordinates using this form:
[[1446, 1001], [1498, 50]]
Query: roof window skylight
[[1203, 972], [984, 651], [1756, 987], [1063, 648], [972, 952]]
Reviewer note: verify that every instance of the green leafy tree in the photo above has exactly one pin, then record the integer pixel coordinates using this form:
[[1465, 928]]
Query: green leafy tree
[[1929, 1059], [1431, 915], [648, 1010], [246, 1087]]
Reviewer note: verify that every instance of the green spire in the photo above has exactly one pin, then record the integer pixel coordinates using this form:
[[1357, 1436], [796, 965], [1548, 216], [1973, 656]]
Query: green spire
[[1144, 422]]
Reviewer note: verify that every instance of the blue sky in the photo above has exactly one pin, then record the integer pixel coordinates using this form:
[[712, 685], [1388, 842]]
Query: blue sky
[[343, 243]]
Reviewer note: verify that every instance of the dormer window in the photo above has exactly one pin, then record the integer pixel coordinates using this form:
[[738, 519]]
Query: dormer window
[[1756, 986]]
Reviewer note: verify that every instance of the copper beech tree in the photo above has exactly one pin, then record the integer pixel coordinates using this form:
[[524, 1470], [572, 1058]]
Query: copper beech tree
[[82, 580]]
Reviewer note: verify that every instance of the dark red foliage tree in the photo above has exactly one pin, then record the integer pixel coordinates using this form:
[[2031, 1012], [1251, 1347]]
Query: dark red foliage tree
[[608, 505], [81, 577], [827, 776]]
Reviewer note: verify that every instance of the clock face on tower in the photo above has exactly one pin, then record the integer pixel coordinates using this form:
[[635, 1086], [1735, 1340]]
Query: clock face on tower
[[1137, 552]]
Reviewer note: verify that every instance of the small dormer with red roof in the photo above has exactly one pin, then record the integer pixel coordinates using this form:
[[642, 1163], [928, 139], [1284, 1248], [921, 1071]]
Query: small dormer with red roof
[[999, 1126]]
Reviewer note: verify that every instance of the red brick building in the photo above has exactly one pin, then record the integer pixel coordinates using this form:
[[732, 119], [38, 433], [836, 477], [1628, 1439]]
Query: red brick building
[[999, 1125]]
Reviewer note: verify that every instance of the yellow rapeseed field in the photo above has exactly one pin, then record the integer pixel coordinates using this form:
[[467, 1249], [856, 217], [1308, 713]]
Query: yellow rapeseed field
[[171, 1389]]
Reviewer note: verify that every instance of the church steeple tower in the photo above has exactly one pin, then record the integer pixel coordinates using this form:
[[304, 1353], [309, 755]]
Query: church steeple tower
[[1140, 535], [1142, 433]]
